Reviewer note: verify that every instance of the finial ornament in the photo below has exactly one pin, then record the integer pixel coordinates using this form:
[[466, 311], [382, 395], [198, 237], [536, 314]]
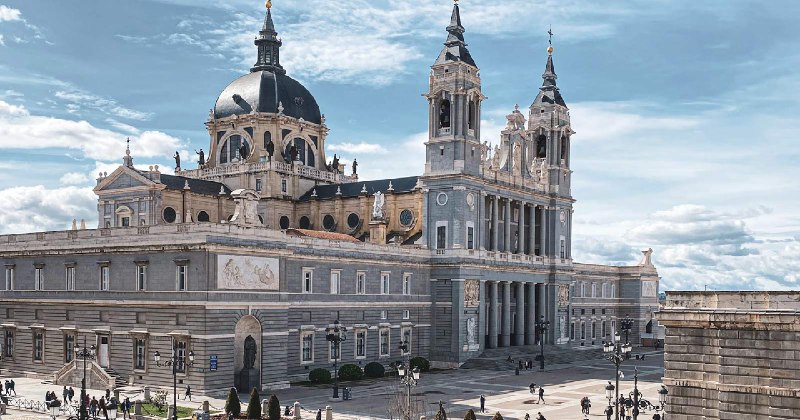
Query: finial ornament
[[268, 4], [550, 41]]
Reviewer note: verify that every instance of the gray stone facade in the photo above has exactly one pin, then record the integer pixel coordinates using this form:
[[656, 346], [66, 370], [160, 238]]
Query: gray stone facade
[[732, 355], [465, 257]]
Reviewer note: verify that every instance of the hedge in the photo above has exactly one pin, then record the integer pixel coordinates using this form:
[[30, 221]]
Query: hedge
[[319, 376], [374, 370], [350, 372], [422, 363]]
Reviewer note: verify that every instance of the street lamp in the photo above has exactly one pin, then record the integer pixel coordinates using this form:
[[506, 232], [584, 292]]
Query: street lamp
[[335, 335], [616, 353], [610, 392], [174, 362], [626, 325], [541, 327], [54, 406], [408, 377], [84, 353], [635, 392], [662, 399]]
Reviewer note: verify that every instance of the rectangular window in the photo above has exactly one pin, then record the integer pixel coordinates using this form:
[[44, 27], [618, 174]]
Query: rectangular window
[[441, 237], [104, 277], [70, 277], [38, 278], [126, 221], [361, 282], [594, 289], [613, 329], [384, 342], [38, 345], [603, 329], [69, 347], [284, 186], [583, 331], [141, 278], [613, 292], [563, 251], [335, 283], [406, 334], [180, 278], [308, 278], [333, 351], [139, 354], [583, 289], [179, 347], [361, 344], [470, 237], [406, 314], [594, 330], [384, 314], [407, 283], [258, 184], [572, 331], [385, 283], [9, 278], [604, 290], [8, 345], [307, 342]]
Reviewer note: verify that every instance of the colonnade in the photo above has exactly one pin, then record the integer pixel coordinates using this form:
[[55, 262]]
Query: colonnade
[[528, 236], [530, 305]]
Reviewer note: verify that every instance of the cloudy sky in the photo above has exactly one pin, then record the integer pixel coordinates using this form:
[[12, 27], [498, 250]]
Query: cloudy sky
[[686, 112]]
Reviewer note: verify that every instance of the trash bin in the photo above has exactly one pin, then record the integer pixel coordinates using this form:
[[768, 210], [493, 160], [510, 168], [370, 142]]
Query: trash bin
[[346, 394]]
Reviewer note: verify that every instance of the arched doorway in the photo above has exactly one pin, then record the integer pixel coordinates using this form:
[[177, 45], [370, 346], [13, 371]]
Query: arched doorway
[[247, 354]]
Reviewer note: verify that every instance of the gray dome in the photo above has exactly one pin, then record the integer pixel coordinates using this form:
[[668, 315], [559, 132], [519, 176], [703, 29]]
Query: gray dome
[[261, 91]]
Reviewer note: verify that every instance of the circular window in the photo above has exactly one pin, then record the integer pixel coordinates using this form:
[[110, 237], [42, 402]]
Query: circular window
[[305, 223], [328, 222], [353, 220], [169, 215], [284, 222], [202, 217], [441, 199], [406, 217]]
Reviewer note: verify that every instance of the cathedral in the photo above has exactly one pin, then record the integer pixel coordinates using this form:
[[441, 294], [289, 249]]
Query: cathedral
[[246, 260]]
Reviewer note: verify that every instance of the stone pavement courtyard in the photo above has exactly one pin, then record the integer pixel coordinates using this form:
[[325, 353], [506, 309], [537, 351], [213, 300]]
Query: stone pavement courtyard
[[460, 390]]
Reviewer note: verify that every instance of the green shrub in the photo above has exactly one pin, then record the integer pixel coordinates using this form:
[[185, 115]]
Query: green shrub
[[274, 408], [374, 370], [470, 415], [422, 363], [350, 372], [497, 416], [319, 376], [254, 406], [232, 404]]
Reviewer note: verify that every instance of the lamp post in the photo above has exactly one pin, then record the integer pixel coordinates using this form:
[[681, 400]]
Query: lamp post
[[662, 399], [541, 328], [335, 335], [626, 324], [610, 392], [635, 392], [408, 377], [174, 362], [616, 353], [84, 353]]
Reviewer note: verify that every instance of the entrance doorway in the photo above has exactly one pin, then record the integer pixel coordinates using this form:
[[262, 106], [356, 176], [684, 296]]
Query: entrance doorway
[[102, 351]]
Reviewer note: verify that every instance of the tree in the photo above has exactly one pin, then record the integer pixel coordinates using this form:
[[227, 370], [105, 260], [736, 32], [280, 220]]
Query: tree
[[470, 415], [497, 416], [254, 406], [232, 404], [274, 408]]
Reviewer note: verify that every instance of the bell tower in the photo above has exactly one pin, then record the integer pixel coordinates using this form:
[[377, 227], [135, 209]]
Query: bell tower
[[454, 107]]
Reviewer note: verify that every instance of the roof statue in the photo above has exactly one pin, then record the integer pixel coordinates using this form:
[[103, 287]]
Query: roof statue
[[377, 206]]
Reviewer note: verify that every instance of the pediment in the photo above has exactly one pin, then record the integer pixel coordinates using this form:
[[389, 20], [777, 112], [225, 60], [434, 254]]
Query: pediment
[[123, 178]]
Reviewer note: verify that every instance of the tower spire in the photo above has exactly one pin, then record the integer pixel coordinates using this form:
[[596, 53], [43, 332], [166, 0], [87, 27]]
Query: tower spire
[[268, 46], [549, 74], [455, 49]]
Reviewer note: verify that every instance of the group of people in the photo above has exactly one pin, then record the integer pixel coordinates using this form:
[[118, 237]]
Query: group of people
[[539, 416], [586, 404], [7, 387], [521, 364], [532, 388], [68, 394]]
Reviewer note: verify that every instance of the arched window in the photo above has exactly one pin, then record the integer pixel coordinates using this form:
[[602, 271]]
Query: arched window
[[202, 217], [235, 148], [563, 147], [267, 139], [284, 222], [541, 146], [305, 151], [304, 223], [353, 220], [169, 215], [444, 114], [472, 112], [328, 222]]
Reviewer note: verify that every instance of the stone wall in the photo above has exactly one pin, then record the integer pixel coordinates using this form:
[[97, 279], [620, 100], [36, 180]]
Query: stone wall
[[726, 360]]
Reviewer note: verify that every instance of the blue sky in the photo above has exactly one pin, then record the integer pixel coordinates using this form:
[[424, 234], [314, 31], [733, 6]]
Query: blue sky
[[685, 112]]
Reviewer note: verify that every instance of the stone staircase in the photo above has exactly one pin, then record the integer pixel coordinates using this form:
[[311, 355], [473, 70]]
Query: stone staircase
[[118, 381], [497, 359]]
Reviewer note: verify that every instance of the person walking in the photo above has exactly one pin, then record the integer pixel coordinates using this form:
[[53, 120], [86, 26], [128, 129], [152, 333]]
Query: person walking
[[527, 416], [102, 405], [483, 403], [609, 412], [11, 387], [70, 394], [541, 396], [188, 393], [319, 414], [93, 407], [540, 416], [65, 393]]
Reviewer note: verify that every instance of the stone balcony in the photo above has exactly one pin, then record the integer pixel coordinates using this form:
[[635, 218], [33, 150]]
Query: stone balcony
[[297, 168]]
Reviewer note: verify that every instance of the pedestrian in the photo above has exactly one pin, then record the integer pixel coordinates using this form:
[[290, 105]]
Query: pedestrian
[[483, 403], [609, 412], [319, 414], [541, 396], [188, 393], [65, 393], [588, 405], [13, 386], [532, 387], [93, 407], [520, 364], [656, 416], [527, 416], [102, 405], [540, 416], [1, 387], [286, 411]]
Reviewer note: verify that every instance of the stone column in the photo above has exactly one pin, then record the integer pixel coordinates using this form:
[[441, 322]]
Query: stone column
[[495, 209], [532, 230], [519, 327], [481, 225], [507, 226], [492, 304], [543, 232], [530, 309], [521, 229], [505, 326]]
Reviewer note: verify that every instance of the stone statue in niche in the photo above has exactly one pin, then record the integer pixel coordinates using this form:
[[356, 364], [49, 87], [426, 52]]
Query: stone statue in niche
[[249, 352], [377, 206], [563, 294], [516, 157], [562, 324], [270, 149], [496, 157], [472, 331], [471, 293]]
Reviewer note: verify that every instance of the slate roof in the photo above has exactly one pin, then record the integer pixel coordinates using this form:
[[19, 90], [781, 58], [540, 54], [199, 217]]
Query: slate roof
[[199, 186], [262, 91], [455, 49], [353, 189]]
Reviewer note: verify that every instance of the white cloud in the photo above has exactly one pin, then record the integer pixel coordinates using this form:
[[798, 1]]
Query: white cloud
[[407, 159], [21, 130], [80, 99], [74, 178], [2, 43], [361, 148], [37, 208], [125, 128], [8, 14]]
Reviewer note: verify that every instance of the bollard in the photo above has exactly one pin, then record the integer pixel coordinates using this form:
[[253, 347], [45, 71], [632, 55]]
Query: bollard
[[116, 394], [265, 407], [328, 413], [147, 393], [205, 406], [297, 410], [137, 407], [2, 409]]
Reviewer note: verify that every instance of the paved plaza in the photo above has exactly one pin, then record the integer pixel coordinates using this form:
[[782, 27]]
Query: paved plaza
[[460, 390]]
